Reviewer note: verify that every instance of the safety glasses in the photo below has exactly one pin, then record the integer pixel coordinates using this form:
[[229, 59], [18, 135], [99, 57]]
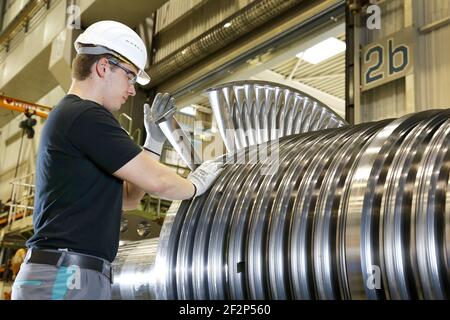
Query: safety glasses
[[132, 77]]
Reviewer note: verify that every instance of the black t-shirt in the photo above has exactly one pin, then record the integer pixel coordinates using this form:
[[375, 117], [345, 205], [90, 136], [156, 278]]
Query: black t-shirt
[[78, 202]]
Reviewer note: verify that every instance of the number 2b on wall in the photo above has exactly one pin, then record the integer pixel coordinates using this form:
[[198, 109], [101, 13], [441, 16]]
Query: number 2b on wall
[[386, 60]]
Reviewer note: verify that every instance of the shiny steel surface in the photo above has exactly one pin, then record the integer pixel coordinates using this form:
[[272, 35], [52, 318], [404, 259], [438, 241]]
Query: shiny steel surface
[[200, 266], [256, 240], [356, 212], [396, 222], [279, 221], [134, 271], [166, 256], [326, 214], [429, 219]]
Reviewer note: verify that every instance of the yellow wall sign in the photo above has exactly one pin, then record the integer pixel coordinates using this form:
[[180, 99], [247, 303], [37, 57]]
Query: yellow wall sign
[[387, 59]]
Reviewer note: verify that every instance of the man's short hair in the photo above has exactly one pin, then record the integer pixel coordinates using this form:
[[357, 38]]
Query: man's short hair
[[82, 64]]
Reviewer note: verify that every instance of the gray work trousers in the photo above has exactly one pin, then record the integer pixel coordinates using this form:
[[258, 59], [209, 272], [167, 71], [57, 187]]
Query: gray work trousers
[[48, 282]]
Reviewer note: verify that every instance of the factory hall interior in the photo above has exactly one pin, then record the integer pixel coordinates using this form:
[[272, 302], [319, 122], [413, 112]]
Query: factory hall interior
[[224, 150]]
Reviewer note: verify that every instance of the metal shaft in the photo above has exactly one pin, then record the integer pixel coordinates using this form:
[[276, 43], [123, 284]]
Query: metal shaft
[[134, 271], [350, 212], [358, 212]]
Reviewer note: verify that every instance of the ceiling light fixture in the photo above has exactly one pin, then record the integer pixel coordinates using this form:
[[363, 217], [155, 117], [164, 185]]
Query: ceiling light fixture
[[190, 111], [322, 51]]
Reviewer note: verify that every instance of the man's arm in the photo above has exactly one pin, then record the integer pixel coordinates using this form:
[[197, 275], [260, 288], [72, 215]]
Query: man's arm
[[145, 174], [132, 194]]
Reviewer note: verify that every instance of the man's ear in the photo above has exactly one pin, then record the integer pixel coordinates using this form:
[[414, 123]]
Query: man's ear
[[101, 66]]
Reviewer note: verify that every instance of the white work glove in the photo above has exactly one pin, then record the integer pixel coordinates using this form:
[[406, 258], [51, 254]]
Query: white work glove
[[204, 176], [163, 108]]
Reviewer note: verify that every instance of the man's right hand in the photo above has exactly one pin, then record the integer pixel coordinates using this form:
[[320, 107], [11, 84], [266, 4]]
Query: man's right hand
[[205, 175], [163, 107]]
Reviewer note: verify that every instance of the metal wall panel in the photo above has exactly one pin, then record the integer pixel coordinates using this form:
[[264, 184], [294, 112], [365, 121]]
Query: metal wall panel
[[12, 8], [178, 22], [432, 58], [173, 10], [388, 100]]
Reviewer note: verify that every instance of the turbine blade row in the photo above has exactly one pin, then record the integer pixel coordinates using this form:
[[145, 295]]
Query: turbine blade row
[[254, 112]]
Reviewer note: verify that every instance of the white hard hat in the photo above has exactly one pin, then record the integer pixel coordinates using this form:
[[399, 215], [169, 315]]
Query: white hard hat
[[115, 38]]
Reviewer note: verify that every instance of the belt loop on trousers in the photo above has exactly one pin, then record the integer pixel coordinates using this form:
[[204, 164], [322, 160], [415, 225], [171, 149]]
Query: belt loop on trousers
[[108, 271], [61, 259], [27, 255]]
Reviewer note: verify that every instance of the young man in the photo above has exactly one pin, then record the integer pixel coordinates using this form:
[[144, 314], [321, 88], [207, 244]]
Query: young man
[[89, 170]]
